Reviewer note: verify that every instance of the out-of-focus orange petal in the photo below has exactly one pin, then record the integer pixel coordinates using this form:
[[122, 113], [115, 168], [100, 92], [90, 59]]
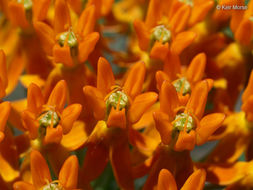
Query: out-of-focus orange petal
[[96, 99], [62, 55], [199, 11], [3, 74], [135, 79], [197, 101], [140, 104], [159, 51], [40, 8], [208, 125], [172, 66], [35, 99], [86, 21], [53, 135], [179, 20], [91, 167], [247, 108], [69, 173], [164, 126], [76, 137], [168, 99], [87, 46], [121, 164], [160, 77], [21, 185], [196, 69], [46, 36], [39, 169], [196, 181], [105, 77], [17, 14], [166, 181], [5, 109], [117, 118], [142, 34], [58, 96], [62, 16], [31, 124], [153, 14], [69, 116], [244, 32], [26, 80], [249, 89], [181, 41], [76, 5], [185, 141]]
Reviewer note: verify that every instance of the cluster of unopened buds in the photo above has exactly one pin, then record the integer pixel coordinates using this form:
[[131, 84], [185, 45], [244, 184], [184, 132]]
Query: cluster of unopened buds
[[126, 94]]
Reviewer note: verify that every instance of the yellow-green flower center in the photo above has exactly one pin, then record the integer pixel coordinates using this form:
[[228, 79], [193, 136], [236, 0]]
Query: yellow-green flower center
[[188, 2], [52, 186], [183, 120], [117, 99], [161, 33], [70, 37], [49, 118], [182, 85], [27, 4]]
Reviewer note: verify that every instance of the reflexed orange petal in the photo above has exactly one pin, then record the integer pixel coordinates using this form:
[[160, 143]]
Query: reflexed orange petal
[[86, 21], [62, 16], [142, 34], [91, 167], [196, 181], [141, 104], [21, 185], [31, 124], [5, 109], [96, 99], [249, 89], [196, 69], [160, 77], [76, 137], [164, 126], [3, 71], [153, 14], [208, 125], [35, 99], [159, 51], [62, 55], [168, 99], [117, 118], [40, 8], [199, 12], [166, 181], [121, 164], [53, 135], [39, 169], [172, 66], [105, 77], [69, 173], [185, 141], [46, 36], [58, 96], [76, 5], [179, 20], [17, 14], [135, 79], [87, 46], [244, 32], [197, 101], [69, 116], [181, 41]]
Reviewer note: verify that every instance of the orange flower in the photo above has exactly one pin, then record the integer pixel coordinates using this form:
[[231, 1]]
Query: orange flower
[[195, 181], [160, 30], [66, 43], [49, 121], [41, 177], [183, 81], [183, 127]]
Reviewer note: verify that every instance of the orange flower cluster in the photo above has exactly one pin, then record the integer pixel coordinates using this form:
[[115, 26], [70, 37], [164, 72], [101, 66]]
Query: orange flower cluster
[[126, 94]]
